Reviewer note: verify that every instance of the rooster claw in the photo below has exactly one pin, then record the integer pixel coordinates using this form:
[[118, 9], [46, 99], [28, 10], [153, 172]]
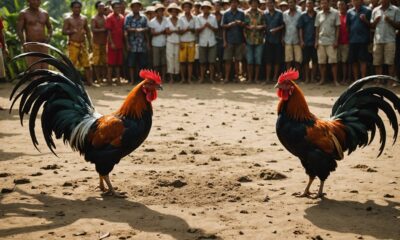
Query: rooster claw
[[303, 195], [319, 196], [115, 194]]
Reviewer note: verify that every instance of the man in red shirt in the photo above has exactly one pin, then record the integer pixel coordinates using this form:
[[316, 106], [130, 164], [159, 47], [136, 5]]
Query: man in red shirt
[[343, 47], [115, 41], [3, 51]]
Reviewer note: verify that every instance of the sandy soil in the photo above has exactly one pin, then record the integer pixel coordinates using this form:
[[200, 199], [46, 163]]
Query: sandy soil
[[218, 139]]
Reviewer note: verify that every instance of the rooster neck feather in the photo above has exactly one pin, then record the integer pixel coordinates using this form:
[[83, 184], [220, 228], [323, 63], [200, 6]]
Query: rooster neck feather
[[135, 103], [296, 106]]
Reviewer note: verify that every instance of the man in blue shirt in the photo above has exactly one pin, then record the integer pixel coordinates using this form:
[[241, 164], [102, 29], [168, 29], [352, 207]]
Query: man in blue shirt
[[273, 40], [307, 40], [358, 22], [136, 41], [233, 22]]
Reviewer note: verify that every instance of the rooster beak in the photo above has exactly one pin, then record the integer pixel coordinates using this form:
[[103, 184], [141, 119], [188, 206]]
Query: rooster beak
[[159, 87], [277, 85]]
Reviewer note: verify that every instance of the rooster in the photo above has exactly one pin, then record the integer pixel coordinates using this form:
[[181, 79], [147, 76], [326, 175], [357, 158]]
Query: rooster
[[320, 143], [68, 112]]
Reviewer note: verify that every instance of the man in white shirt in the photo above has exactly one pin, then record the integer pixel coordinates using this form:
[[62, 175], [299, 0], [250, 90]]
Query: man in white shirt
[[206, 26], [158, 42], [187, 50]]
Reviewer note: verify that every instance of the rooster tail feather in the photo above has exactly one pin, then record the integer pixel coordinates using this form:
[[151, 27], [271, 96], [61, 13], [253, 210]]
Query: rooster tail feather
[[358, 110]]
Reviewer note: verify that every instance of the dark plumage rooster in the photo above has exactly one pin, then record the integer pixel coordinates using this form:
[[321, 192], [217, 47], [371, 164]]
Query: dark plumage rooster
[[69, 113], [319, 143]]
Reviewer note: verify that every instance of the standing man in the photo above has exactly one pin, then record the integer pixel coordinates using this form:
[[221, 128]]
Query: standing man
[[3, 51], [343, 43], [385, 19], [234, 43], [307, 41], [99, 45], [358, 22], [77, 29], [136, 42], [219, 35], [254, 32], [33, 25], [291, 37], [186, 24], [273, 40], [206, 26], [327, 25], [115, 41]]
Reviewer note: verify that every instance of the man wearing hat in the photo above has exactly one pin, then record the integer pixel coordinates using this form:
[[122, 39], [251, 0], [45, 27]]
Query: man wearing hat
[[254, 32], [291, 36], [206, 26], [283, 6], [187, 51], [136, 41], [234, 42], [158, 42], [115, 43], [77, 29], [172, 31]]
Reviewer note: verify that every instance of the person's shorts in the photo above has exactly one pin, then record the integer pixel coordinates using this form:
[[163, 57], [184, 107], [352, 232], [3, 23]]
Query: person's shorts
[[99, 55], [233, 51], [78, 54], [293, 53], [31, 60], [310, 54], [358, 52], [254, 53], [273, 53], [384, 53], [187, 51], [326, 54], [137, 60], [159, 56], [220, 50], [343, 53], [208, 54], [115, 57]]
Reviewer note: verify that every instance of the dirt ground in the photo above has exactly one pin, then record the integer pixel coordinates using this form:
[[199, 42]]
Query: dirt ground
[[220, 141]]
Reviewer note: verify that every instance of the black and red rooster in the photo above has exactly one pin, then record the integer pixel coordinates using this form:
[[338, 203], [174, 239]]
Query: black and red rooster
[[319, 143], [69, 113]]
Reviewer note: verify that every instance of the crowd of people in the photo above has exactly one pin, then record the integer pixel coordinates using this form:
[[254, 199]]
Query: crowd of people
[[223, 40]]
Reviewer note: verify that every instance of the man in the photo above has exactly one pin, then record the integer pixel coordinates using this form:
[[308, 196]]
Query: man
[[234, 43], [136, 42], [385, 19], [77, 29], [254, 33], [186, 24], [358, 22], [159, 41], [343, 42], [3, 51], [291, 35], [33, 25], [307, 41], [99, 45], [273, 41], [327, 24], [206, 26], [115, 41], [220, 39]]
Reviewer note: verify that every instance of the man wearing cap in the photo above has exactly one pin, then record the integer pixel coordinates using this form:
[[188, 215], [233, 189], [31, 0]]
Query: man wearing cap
[[254, 32], [291, 35], [158, 42], [99, 58], [115, 41], [307, 40], [187, 51], [206, 26], [172, 31], [273, 41], [234, 42], [283, 6], [32, 24], [77, 29], [136, 39]]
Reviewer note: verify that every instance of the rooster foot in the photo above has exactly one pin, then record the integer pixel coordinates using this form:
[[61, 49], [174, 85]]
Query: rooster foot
[[113, 193], [102, 188], [303, 195], [319, 196]]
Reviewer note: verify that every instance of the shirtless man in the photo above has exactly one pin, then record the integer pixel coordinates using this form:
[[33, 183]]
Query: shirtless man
[[31, 27], [99, 42], [77, 28]]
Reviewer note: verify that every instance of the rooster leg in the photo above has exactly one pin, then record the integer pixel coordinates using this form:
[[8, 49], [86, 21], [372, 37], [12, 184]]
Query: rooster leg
[[307, 190], [321, 193], [111, 190], [101, 184]]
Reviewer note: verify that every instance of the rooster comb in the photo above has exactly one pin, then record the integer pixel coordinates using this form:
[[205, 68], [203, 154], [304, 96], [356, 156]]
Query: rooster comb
[[291, 74], [150, 74]]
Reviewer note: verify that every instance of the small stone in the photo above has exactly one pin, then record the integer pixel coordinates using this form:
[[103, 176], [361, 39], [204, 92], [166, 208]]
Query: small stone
[[7, 190], [51, 167], [271, 175], [215, 159], [149, 150], [183, 152], [22, 181], [244, 179], [388, 196], [82, 233], [36, 174], [4, 174], [244, 212], [67, 184], [318, 237], [241, 233]]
